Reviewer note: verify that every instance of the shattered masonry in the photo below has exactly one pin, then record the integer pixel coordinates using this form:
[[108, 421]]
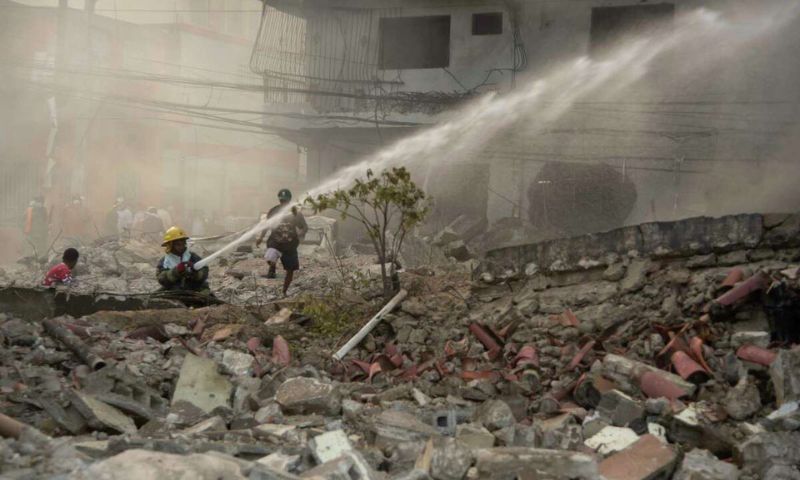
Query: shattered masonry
[[660, 350]]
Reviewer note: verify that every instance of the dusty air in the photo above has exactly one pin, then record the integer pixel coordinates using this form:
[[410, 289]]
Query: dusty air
[[399, 239]]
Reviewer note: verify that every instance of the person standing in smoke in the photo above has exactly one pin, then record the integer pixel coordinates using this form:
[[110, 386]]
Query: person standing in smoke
[[284, 238], [36, 227], [124, 219], [75, 220]]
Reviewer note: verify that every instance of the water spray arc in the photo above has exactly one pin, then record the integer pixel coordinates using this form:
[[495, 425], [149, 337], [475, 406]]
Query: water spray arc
[[544, 100]]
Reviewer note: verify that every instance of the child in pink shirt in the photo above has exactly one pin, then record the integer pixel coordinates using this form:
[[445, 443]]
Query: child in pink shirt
[[61, 274]]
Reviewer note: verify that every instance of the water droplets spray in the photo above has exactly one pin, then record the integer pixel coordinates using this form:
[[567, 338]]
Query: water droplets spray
[[545, 99]]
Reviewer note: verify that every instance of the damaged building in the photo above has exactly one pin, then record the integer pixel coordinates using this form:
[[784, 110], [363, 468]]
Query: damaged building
[[676, 145]]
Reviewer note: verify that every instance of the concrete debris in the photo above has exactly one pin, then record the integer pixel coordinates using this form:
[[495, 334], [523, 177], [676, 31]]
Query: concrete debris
[[589, 357], [494, 415], [280, 462], [308, 395], [450, 460], [147, 465], [330, 445], [237, 363], [702, 465], [620, 409], [102, 416], [201, 385], [646, 459], [743, 400], [474, 436], [508, 463], [785, 374], [611, 439]]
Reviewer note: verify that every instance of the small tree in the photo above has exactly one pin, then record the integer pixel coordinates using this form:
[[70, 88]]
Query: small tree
[[387, 205]]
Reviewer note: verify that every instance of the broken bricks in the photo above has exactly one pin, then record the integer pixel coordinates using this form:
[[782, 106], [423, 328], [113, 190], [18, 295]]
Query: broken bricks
[[646, 459]]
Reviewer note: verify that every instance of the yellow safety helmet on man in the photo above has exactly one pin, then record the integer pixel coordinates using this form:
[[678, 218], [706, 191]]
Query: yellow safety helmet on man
[[174, 233]]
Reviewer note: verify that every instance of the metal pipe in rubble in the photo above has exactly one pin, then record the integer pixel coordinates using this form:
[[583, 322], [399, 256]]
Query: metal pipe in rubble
[[11, 428], [71, 341], [262, 225], [370, 325]]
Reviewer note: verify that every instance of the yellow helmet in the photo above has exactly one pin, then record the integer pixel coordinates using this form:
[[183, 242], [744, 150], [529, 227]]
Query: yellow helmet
[[174, 233]]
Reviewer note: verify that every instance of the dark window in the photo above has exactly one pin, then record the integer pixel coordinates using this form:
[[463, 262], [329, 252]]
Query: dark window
[[487, 23], [415, 42], [611, 25]]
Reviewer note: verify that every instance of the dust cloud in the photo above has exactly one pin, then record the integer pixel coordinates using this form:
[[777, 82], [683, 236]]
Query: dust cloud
[[702, 117]]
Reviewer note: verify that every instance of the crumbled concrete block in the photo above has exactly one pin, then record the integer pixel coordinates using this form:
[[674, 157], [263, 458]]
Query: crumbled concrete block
[[450, 460], [646, 459], [786, 417], [702, 465], [474, 436], [351, 465], [507, 463], [561, 432], [392, 426], [280, 462], [213, 424], [785, 375], [494, 415], [593, 423], [446, 422], [636, 276], [761, 451], [102, 416], [237, 363], [657, 430], [274, 431], [138, 464], [528, 436], [330, 445], [611, 439], [759, 339], [341, 468], [505, 436], [201, 385], [303, 395], [743, 400], [620, 409]]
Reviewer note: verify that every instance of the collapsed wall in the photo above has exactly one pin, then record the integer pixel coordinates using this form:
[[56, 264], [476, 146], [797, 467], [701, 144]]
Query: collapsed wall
[[661, 240], [645, 352]]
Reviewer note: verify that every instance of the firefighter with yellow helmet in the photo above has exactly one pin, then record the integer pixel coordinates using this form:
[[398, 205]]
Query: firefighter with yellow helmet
[[176, 269]]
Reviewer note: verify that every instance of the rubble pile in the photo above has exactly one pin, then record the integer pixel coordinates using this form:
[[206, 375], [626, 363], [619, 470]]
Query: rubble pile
[[656, 351], [128, 267]]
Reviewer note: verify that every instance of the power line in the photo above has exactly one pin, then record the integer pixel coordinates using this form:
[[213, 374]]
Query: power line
[[437, 98]]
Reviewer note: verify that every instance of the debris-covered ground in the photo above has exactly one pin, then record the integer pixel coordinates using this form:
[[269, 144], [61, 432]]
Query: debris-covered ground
[[656, 351]]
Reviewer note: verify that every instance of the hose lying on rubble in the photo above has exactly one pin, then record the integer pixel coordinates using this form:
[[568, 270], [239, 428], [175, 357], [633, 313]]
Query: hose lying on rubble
[[71, 341]]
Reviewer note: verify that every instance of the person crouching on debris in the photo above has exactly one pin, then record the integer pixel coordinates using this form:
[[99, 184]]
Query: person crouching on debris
[[284, 239], [61, 274], [176, 269]]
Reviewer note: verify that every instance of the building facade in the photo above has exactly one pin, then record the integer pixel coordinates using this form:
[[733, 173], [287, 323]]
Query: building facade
[[683, 140]]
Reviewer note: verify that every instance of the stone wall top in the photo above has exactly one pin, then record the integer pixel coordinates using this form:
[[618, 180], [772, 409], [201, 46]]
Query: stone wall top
[[682, 238]]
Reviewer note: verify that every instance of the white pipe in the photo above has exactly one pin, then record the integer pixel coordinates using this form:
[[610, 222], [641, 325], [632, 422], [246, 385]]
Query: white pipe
[[370, 325]]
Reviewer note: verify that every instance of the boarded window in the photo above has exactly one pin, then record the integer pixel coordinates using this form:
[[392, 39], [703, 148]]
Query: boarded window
[[415, 42], [487, 23], [611, 25]]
